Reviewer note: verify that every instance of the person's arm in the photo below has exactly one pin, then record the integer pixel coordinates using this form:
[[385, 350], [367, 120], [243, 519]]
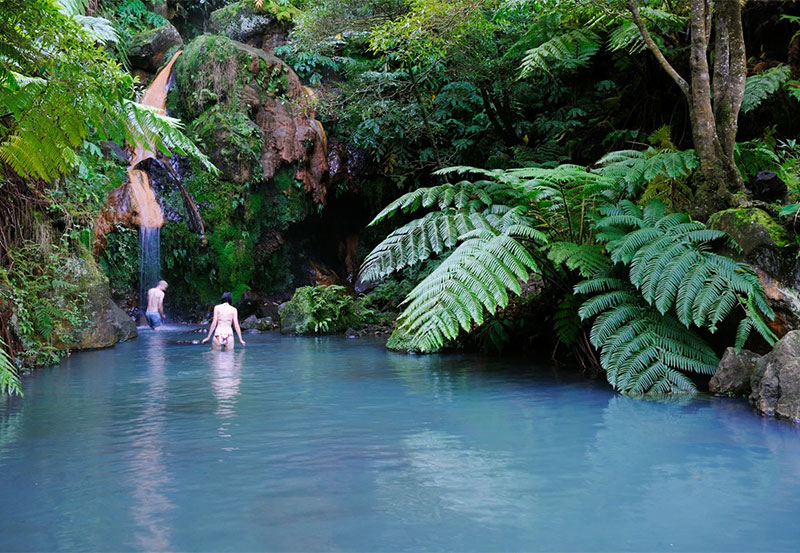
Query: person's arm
[[161, 307], [211, 328], [236, 326]]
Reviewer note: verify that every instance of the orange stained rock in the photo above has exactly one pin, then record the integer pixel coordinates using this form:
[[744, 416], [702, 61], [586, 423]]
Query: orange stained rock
[[139, 182]]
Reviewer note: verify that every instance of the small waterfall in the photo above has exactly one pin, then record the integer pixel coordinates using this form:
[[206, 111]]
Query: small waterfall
[[150, 217], [149, 261]]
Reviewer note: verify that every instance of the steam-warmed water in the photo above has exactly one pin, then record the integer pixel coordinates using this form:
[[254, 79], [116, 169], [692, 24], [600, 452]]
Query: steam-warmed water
[[328, 444]]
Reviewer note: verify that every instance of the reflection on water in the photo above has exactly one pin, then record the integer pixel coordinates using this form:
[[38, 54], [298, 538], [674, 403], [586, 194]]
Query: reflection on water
[[337, 445], [148, 472], [226, 377]]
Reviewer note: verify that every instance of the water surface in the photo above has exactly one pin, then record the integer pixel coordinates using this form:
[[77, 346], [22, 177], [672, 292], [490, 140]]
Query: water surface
[[312, 444]]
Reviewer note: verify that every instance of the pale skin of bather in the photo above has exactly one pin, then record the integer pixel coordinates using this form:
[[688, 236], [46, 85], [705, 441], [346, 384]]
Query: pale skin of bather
[[225, 317]]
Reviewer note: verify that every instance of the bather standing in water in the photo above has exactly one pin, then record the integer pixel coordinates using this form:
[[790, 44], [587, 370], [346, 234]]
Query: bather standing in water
[[226, 318], [155, 305]]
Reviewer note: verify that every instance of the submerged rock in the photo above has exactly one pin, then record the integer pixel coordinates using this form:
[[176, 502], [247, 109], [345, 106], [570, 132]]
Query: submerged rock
[[104, 323], [775, 381], [734, 373], [148, 50]]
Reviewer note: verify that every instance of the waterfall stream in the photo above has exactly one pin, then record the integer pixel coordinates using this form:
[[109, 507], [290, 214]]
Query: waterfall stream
[[151, 219]]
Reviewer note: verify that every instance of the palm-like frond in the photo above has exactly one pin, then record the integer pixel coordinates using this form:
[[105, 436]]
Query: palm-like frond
[[475, 279], [586, 259], [472, 196], [634, 168], [627, 37]]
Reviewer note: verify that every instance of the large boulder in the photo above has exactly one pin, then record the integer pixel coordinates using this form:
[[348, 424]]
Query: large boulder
[[252, 113], [734, 373], [244, 22], [148, 50], [103, 322], [775, 381]]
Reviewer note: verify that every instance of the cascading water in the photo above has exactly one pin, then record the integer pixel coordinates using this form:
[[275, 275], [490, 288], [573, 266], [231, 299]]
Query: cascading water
[[150, 217], [149, 260]]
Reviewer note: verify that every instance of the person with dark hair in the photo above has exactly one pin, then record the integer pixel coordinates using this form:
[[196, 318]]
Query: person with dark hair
[[226, 319]]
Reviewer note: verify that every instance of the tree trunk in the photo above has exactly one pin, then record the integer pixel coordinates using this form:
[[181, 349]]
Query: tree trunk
[[714, 122]]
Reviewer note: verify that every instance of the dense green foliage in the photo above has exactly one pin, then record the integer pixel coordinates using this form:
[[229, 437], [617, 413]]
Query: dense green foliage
[[563, 218], [320, 310]]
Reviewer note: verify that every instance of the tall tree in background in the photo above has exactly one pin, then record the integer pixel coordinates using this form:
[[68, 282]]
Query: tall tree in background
[[714, 116]]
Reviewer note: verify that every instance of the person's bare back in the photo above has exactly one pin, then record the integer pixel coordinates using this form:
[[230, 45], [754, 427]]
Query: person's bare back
[[155, 305], [225, 321]]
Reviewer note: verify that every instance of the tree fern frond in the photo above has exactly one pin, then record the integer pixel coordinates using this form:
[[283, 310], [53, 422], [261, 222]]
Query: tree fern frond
[[587, 259], [761, 86], [672, 266], [476, 277], [641, 350], [429, 235], [572, 49]]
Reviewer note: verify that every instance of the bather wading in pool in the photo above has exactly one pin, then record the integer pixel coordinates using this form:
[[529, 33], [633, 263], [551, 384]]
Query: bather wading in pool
[[226, 319]]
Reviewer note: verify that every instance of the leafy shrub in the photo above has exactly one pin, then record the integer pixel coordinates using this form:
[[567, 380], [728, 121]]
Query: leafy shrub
[[320, 310]]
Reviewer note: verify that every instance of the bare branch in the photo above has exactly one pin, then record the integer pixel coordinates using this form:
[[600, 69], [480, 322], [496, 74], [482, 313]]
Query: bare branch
[[633, 7]]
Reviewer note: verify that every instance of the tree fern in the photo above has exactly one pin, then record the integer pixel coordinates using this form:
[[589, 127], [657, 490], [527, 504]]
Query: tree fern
[[636, 168], [586, 259], [429, 235], [59, 90], [674, 281], [475, 279], [626, 35], [761, 86]]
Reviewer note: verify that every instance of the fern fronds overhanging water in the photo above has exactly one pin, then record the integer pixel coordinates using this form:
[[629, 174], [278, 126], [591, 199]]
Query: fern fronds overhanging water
[[674, 281], [652, 275]]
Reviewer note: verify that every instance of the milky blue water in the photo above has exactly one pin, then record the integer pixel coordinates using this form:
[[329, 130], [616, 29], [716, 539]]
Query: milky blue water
[[329, 444]]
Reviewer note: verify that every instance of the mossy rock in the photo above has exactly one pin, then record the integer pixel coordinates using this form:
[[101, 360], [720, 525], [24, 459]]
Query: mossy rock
[[241, 21], [105, 323], [752, 228], [217, 71], [148, 50]]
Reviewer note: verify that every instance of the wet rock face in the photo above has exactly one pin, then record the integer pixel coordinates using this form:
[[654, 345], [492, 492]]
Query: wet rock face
[[771, 381], [252, 112], [776, 380], [106, 324], [148, 50]]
